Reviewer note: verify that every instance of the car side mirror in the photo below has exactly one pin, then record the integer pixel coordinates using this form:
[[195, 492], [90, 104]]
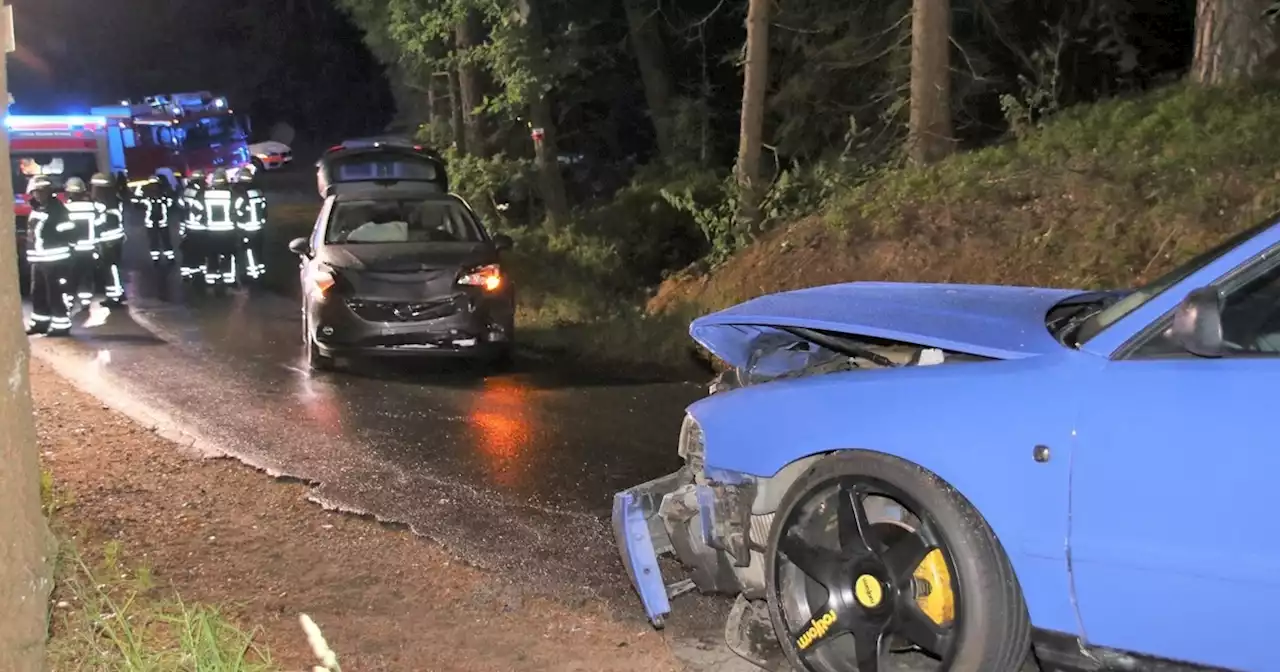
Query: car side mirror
[[503, 242], [300, 247], [1197, 323]]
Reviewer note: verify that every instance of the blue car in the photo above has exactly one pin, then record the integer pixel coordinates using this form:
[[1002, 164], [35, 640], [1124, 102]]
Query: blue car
[[984, 478]]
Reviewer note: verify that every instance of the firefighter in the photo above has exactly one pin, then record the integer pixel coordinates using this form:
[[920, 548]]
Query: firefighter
[[220, 231], [251, 214], [84, 215], [158, 205], [50, 236], [192, 229], [109, 239]]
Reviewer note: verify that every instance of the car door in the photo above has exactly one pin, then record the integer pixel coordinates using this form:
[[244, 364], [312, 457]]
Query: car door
[[1174, 547]]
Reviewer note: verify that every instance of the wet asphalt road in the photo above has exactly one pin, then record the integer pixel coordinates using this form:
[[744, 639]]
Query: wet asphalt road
[[512, 472]]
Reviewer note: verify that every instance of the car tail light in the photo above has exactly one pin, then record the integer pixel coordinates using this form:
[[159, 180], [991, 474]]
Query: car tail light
[[488, 277], [320, 280]]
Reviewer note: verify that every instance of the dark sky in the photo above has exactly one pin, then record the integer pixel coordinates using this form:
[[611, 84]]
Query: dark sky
[[298, 61]]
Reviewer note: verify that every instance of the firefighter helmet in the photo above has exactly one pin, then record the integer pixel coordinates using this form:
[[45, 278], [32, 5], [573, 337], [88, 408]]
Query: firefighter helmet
[[219, 177], [39, 183], [74, 185], [100, 180], [197, 175]]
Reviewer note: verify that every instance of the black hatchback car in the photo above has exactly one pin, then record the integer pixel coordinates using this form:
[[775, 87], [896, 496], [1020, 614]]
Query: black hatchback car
[[396, 268]]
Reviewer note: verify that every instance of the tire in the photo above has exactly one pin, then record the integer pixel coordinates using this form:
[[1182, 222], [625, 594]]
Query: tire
[[258, 166], [991, 629], [315, 360]]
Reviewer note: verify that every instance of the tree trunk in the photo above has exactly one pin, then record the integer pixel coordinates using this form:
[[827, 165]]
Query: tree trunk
[[468, 37], [755, 81], [1233, 41], [459, 117], [646, 42], [929, 131], [25, 577], [547, 155], [432, 105]]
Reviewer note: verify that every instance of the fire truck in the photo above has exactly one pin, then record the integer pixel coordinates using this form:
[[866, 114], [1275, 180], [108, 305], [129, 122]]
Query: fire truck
[[173, 134]]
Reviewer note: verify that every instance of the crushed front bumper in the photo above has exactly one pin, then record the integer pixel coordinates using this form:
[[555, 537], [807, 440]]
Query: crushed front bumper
[[704, 525]]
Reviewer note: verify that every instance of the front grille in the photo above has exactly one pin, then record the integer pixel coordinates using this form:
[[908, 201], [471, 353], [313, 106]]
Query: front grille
[[398, 311]]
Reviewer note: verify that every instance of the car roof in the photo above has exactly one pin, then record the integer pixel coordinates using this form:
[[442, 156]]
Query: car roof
[[363, 191]]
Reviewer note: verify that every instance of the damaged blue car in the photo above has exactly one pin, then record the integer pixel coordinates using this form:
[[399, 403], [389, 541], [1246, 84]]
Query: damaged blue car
[[984, 478]]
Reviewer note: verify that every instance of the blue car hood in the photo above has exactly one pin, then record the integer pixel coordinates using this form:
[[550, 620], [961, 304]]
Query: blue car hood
[[985, 320]]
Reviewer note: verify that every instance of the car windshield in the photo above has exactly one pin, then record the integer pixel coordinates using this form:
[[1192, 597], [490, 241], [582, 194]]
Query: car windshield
[[389, 220], [57, 166], [210, 131], [1089, 314]]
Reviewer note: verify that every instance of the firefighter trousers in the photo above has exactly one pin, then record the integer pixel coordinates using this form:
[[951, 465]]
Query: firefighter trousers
[[107, 279], [49, 296], [251, 254], [193, 253], [81, 276], [160, 243], [220, 257]]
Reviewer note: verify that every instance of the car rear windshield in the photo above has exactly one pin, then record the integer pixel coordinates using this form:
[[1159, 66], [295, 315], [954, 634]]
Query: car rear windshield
[[389, 220], [57, 166]]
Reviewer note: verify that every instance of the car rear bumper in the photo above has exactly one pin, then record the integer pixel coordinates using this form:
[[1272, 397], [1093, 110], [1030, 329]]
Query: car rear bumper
[[483, 328]]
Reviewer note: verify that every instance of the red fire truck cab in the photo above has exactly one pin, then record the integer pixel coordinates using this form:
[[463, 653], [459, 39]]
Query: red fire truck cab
[[174, 134]]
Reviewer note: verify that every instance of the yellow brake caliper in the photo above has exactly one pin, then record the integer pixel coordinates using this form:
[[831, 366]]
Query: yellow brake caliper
[[933, 588]]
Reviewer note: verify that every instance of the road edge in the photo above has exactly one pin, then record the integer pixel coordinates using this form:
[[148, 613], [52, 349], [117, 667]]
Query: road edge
[[89, 377]]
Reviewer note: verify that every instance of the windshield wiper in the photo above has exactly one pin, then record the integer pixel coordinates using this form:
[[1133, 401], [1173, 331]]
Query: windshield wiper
[[1087, 311], [839, 345]]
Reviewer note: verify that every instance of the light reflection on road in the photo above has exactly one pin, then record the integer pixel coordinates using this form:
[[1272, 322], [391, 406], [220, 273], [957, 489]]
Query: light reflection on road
[[500, 412]]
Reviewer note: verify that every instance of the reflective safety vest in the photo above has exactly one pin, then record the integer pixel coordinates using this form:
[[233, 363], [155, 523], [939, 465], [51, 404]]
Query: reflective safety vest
[[192, 198], [251, 210], [110, 222], [158, 205], [217, 210], [84, 215], [48, 240]]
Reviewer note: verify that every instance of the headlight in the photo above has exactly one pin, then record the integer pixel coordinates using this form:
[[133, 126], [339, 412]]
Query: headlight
[[488, 276], [320, 279], [691, 446]]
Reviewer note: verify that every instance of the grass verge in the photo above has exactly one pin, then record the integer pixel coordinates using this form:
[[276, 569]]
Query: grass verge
[[108, 615]]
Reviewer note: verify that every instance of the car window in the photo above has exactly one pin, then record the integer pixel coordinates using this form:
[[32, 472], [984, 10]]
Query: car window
[[317, 234], [387, 220], [1250, 319]]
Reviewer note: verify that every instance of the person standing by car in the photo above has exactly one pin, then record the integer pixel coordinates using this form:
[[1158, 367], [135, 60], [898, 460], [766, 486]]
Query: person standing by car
[[84, 214], [193, 230], [220, 229], [109, 239], [251, 215], [158, 204], [50, 236]]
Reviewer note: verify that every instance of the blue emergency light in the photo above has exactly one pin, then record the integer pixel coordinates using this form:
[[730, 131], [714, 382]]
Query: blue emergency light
[[20, 122]]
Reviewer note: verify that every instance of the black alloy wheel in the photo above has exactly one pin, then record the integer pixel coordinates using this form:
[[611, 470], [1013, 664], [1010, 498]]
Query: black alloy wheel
[[873, 561]]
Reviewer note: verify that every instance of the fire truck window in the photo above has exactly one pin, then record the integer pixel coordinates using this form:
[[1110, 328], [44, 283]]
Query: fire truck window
[[58, 166], [165, 135], [130, 137]]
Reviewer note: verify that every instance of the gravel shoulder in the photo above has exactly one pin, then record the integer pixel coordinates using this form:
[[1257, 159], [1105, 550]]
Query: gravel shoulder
[[218, 532]]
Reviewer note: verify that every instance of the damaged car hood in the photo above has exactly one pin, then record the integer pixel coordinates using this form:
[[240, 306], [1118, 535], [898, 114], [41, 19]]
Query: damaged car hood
[[986, 320]]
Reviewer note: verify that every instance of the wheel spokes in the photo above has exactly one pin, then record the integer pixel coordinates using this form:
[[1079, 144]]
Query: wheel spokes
[[904, 555], [856, 535], [869, 645], [919, 629], [815, 562]]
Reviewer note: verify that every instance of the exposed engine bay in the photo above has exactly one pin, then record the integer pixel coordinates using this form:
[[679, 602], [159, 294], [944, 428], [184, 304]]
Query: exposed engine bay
[[799, 352]]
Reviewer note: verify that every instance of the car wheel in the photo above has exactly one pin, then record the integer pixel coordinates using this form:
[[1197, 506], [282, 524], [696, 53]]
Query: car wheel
[[258, 166], [871, 556], [315, 360]]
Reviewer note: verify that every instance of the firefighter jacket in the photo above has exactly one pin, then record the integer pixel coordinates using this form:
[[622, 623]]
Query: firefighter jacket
[[110, 218], [158, 204], [250, 208], [219, 216], [50, 233], [84, 214]]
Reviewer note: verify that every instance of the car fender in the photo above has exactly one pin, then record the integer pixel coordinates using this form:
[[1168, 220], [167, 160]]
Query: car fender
[[975, 425]]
